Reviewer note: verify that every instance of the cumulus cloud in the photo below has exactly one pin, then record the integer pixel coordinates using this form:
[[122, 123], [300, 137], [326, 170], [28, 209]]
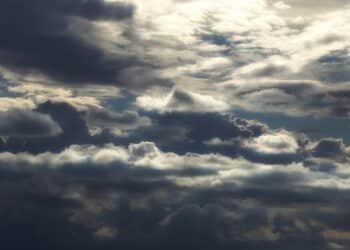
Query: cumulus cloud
[[268, 152], [272, 144]]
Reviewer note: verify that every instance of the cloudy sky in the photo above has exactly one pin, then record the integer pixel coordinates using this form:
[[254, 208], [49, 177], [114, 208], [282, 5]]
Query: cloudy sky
[[175, 124]]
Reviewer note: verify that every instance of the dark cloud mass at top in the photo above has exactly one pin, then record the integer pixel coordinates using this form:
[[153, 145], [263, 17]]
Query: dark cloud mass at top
[[37, 37], [121, 125]]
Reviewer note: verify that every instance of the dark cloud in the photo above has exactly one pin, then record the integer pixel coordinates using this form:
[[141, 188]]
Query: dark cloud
[[73, 130], [330, 147], [70, 120], [27, 124], [63, 125], [183, 132], [192, 224], [178, 132], [39, 37], [165, 223], [148, 210], [90, 9]]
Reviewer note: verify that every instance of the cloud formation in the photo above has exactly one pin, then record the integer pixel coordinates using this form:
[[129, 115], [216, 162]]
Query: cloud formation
[[124, 124], [48, 38], [27, 124]]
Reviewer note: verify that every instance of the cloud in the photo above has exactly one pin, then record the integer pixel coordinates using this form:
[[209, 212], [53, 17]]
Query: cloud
[[105, 233], [210, 222], [262, 54], [293, 97], [72, 129], [121, 42], [27, 124], [108, 192], [81, 99], [181, 101], [312, 7], [266, 149], [275, 144], [119, 124], [330, 147], [183, 132], [127, 120], [48, 39], [281, 5]]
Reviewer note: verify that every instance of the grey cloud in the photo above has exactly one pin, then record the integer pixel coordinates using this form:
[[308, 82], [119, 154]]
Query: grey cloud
[[329, 148], [72, 125], [125, 120], [44, 40], [27, 124], [118, 195], [331, 68], [183, 132]]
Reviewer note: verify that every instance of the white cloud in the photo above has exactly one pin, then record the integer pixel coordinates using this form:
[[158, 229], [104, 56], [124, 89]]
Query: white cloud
[[7, 103], [276, 143], [233, 42], [37, 93], [281, 5], [182, 100]]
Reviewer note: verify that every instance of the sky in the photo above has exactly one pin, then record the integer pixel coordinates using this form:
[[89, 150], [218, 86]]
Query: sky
[[174, 124]]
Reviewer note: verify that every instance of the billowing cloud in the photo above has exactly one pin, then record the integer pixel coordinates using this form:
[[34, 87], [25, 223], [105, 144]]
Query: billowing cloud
[[276, 146], [101, 185]]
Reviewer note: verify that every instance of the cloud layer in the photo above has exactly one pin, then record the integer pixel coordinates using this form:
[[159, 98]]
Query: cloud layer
[[122, 124]]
